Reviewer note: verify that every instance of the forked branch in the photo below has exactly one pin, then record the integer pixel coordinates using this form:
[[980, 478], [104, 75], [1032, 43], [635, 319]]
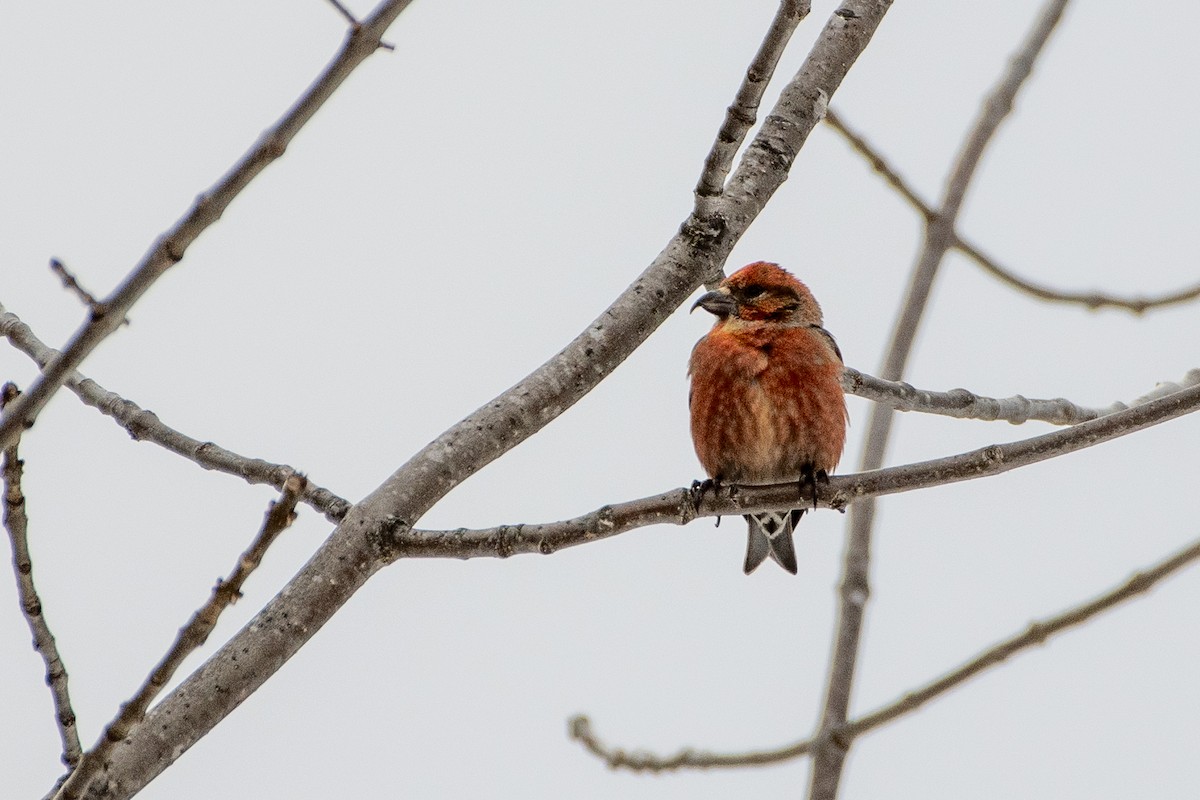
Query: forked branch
[[1091, 300], [351, 554], [108, 314], [829, 756], [679, 506], [191, 636], [1037, 633]]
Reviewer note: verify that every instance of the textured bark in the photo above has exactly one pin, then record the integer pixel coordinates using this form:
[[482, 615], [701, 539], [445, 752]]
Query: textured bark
[[353, 553]]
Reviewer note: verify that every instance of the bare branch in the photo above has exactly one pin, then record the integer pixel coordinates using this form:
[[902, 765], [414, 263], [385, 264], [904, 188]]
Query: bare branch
[[144, 425], [191, 636], [1091, 300], [345, 12], [880, 164], [743, 113], [106, 316], [16, 523], [677, 507], [351, 555], [830, 753], [1190, 378], [963, 404], [1035, 634], [71, 284], [579, 728]]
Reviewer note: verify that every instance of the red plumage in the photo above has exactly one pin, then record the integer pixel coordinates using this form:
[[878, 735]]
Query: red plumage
[[766, 396]]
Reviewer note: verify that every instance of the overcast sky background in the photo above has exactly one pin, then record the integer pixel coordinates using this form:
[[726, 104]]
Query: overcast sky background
[[460, 210]]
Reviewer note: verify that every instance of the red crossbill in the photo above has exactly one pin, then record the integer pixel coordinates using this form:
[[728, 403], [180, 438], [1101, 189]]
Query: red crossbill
[[766, 396]]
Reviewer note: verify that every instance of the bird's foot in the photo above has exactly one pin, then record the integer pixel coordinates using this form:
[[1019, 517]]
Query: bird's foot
[[809, 478], [697, 493]]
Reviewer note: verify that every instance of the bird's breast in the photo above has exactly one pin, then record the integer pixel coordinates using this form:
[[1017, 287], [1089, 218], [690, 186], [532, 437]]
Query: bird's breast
[[763, 410]]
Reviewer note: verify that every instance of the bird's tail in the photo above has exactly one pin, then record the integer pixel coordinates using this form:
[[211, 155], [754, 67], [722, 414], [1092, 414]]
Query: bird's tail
[[771, 535]]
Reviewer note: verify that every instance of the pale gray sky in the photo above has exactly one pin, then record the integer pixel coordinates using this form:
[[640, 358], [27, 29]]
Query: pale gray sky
[[461, 209]]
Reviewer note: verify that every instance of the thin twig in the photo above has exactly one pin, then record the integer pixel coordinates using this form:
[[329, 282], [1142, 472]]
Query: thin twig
[[191, 636], [880, 164], [345, 12], [830, 751], [16, 523], [71, 284], [1090, 300], [678, 506], [963, 404], [107, 315], [1035, 634], [743, 113], [144, 425], [579, 728]]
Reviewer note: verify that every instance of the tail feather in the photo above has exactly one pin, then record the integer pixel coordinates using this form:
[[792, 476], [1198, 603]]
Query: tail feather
[[771, 535]]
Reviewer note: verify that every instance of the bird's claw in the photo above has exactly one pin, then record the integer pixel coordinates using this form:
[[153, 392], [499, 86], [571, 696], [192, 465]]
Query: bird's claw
[[809, 478], [697, 493]]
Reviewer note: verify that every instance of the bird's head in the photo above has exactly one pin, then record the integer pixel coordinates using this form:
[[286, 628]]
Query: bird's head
[[762, 292]]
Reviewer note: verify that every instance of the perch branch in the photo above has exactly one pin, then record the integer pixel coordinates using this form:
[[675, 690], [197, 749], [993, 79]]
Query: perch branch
[[144, 425], [677, 507]]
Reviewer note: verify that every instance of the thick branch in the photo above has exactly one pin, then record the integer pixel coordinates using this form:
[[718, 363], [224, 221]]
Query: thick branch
[[676, 507], [1035, 634], [144, 425], [830, 754], [351, 555], [16, 523], [107, 315]]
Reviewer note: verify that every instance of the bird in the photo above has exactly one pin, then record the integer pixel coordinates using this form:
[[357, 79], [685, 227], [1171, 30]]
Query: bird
[[766, 398]]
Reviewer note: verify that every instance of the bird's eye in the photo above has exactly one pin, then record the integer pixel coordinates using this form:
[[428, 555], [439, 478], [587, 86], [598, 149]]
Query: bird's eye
[[753, 291]]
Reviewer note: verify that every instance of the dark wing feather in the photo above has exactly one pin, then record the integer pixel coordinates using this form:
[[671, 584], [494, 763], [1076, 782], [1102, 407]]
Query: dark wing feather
[[829, 337]]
